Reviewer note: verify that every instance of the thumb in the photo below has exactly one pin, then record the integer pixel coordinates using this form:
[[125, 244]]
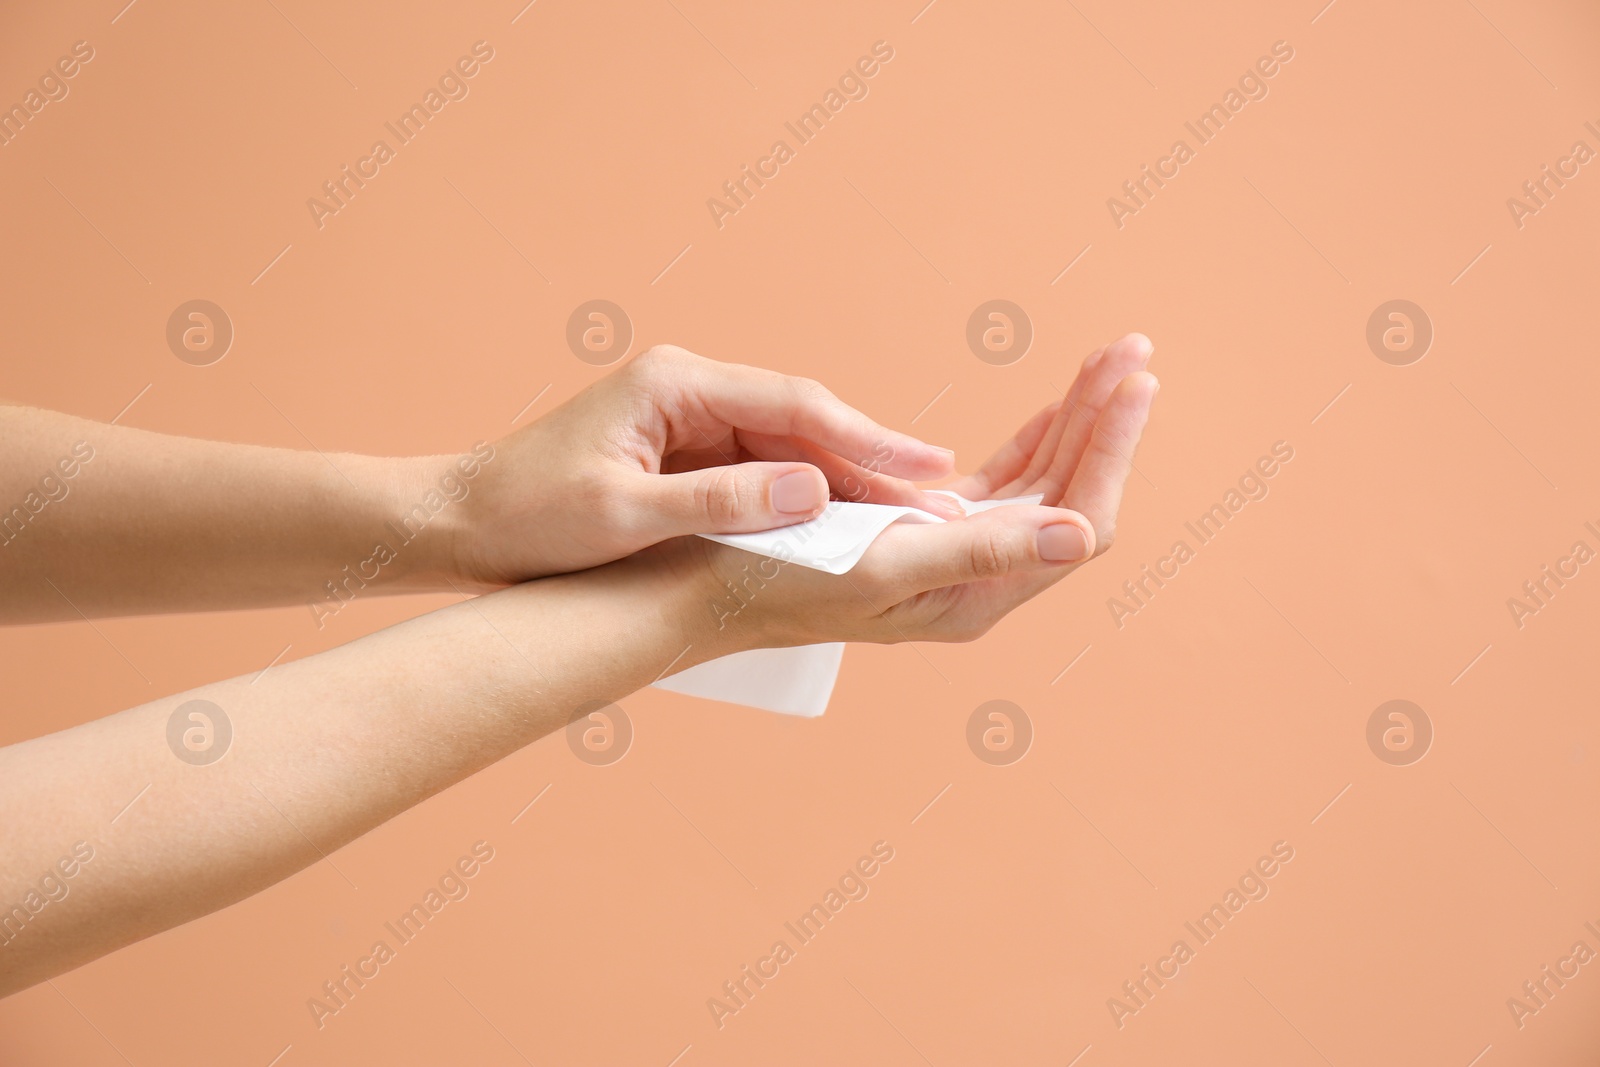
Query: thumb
[[739, 498]]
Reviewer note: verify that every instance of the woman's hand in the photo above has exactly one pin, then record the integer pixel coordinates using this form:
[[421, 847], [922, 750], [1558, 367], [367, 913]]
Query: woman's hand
[[676, 444], [955, 580]]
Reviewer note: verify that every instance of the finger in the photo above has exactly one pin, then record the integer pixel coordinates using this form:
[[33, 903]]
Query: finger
[[1127, 356], [750, 398], [1096, 488], [1010, 461], [907, 560], [1039, 459], [849, 481], [737, 498]]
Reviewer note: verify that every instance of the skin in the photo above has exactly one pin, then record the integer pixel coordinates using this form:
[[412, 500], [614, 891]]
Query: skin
[[327, 747]]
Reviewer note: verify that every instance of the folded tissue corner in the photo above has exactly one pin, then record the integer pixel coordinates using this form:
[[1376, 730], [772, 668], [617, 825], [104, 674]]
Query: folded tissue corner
[[799, 681]]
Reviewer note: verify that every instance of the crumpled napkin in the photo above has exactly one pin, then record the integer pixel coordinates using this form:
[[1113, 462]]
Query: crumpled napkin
[[799, 680]]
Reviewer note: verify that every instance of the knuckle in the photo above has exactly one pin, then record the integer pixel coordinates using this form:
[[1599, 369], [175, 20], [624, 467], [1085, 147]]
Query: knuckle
[[810, 390], [987, 555], [725, 496], [659, 359]]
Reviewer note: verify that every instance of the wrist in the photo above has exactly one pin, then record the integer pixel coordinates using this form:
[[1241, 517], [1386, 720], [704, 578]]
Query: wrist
[[424, 523], [699, 596]]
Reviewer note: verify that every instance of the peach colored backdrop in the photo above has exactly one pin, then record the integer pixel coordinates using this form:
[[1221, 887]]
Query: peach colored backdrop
[[1172, 747]]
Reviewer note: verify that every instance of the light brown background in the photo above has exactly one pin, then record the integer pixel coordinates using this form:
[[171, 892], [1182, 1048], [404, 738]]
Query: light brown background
[[1222, 718]]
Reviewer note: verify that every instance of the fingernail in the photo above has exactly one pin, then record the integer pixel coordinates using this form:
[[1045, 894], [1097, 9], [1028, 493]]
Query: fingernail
[[1063, 543], [945, 505], [796, 494]]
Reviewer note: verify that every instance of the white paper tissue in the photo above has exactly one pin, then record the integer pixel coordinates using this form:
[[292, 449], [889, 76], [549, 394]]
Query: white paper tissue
[[799, 681]]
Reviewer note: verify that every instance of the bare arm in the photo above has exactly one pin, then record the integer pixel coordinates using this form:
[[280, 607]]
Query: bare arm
[[109, 520], [322, 750]]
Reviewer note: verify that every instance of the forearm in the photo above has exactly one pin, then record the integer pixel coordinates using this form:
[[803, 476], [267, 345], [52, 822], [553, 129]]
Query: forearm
[[322, 750], [110, 520]]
